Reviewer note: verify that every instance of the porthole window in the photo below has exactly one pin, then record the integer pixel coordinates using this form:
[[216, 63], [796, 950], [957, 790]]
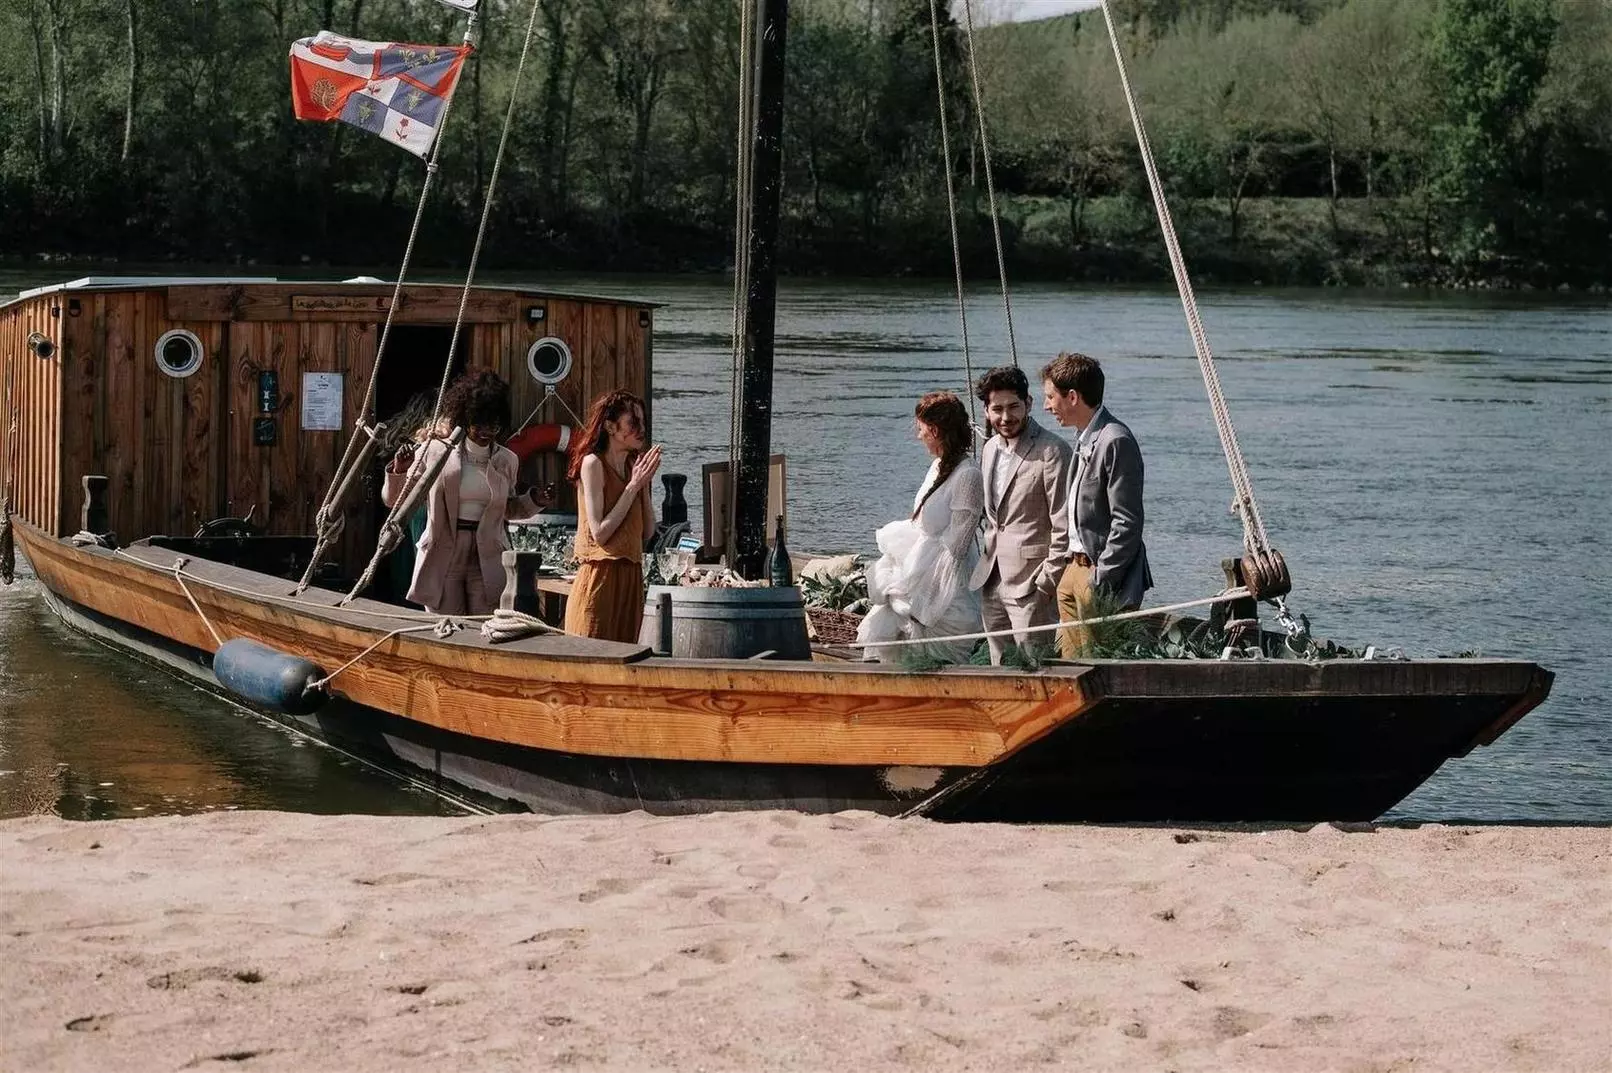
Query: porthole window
[[179, 353], [549, 360]]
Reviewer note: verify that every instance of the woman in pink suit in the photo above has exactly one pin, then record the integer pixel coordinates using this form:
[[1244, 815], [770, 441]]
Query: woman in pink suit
[[458, 563]]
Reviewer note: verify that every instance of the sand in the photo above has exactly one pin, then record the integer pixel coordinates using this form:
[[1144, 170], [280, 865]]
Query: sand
[[268, 941]]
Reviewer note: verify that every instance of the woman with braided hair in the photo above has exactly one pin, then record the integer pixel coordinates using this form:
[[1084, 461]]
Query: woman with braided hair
[[919, 586]]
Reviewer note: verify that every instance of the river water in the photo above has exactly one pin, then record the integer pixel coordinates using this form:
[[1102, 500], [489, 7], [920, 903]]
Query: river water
[[1436, 468]]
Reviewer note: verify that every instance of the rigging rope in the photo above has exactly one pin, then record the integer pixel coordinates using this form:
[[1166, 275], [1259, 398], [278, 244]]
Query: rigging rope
[[8, 550], [415, 467], [1254, 536], [990, 182], [951, 209], [486, 209], [324, 529]]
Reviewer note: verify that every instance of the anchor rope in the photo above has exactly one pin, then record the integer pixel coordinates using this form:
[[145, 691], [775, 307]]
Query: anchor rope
[[990, 181], [1255, 538], [951, 209]]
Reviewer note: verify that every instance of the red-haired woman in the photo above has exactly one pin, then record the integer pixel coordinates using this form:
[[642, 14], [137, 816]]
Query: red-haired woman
[[919, 585], [612, 472]]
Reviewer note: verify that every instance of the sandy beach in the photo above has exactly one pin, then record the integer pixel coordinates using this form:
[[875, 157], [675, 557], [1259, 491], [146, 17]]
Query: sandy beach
[[259, 941]]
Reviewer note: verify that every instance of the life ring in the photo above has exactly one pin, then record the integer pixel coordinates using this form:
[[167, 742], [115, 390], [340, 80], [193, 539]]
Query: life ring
[[534, 438]]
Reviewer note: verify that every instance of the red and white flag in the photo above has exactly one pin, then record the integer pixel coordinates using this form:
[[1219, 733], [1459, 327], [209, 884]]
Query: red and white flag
[[397, 91]]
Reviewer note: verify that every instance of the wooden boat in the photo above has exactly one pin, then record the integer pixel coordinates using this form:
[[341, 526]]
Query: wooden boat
[[556, 723]]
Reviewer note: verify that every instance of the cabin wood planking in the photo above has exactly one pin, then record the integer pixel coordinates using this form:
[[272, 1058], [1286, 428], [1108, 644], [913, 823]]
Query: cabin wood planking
[[181, 450]]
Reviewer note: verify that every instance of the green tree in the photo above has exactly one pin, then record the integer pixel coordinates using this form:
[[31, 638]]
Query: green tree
[[1492, 56]]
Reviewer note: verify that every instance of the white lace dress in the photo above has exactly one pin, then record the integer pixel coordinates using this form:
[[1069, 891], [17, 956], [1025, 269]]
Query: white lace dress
[[919, 585]]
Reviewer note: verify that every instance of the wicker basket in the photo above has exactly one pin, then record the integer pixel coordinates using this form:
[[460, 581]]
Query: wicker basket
[[832, 627]]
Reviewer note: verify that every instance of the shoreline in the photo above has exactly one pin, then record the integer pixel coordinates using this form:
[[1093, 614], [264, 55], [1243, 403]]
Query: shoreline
[[777, 940], [1360, 276]]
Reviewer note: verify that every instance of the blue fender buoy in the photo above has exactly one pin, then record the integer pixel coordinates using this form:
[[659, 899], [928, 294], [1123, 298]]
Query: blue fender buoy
[[268, 677]]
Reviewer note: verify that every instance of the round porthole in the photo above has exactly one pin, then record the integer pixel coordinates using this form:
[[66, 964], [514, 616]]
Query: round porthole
[[549, 360], [179, 352]]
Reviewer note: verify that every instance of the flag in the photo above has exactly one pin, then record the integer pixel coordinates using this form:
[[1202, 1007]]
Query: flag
[[396, 91]]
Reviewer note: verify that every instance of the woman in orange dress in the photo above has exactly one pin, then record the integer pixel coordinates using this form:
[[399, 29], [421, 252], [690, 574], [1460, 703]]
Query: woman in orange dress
[[612, 471]]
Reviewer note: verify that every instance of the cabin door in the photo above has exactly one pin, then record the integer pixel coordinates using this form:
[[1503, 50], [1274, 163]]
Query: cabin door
[[406, 390]]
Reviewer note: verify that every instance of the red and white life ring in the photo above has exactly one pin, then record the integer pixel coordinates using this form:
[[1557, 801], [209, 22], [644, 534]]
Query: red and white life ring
[[534, 438]]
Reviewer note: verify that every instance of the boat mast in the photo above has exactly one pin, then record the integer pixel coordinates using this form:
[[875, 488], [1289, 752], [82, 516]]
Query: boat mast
[[755, 413]]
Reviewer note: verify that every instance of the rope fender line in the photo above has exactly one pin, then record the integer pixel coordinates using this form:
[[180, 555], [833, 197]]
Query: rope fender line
[[441, 628], [179, 570]]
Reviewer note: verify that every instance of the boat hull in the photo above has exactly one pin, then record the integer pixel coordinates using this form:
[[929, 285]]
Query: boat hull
[[1267, 741]]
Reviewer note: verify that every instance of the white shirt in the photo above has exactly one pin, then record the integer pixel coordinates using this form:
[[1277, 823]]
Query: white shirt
[[474, 491], [1082, 443], [1005, 460]]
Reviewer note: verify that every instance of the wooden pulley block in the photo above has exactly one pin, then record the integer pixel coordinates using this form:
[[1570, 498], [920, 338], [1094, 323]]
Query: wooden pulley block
[[1265, 574]]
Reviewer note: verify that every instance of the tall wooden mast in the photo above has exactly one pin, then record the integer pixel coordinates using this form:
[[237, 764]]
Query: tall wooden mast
[[755, 415]]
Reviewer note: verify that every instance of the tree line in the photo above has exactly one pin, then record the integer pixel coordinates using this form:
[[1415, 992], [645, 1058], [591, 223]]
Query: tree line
[[1300, 140]]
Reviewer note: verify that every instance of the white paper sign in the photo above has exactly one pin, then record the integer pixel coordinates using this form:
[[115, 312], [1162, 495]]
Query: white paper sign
[[321, 402]]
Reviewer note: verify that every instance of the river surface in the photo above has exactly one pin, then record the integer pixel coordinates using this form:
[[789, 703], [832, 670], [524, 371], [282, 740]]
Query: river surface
[[1436, 468]]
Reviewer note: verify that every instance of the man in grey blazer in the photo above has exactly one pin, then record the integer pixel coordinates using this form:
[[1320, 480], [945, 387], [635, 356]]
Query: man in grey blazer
[[1027, 470], [1105, 499]]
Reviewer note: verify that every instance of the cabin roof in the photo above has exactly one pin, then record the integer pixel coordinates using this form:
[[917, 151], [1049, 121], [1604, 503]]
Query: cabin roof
[[127, 283]]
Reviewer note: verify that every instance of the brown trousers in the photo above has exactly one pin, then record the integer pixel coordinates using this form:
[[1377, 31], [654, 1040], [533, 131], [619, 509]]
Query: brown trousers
[[463, 590], [1074, 604]]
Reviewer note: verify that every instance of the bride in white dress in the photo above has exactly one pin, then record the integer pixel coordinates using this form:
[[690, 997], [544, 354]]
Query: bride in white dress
[[919, 585]]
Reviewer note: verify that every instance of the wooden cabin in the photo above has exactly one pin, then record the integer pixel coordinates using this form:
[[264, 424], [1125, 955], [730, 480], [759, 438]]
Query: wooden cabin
[[210, 398]]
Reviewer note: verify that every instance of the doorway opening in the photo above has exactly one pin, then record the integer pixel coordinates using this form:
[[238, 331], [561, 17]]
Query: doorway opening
[[406, 389]]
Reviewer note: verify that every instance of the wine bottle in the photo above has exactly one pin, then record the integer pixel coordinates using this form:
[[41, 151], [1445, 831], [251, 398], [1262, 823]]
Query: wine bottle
[[779, 568]]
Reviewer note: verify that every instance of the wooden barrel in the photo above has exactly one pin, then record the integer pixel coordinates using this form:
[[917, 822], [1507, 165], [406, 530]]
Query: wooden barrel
[[711, 623]]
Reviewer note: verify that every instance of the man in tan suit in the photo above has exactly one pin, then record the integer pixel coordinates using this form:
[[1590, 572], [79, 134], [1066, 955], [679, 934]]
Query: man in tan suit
[[1026, 472]]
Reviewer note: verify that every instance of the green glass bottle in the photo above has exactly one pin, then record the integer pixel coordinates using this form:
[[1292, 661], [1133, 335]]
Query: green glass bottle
[[779, 569]]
